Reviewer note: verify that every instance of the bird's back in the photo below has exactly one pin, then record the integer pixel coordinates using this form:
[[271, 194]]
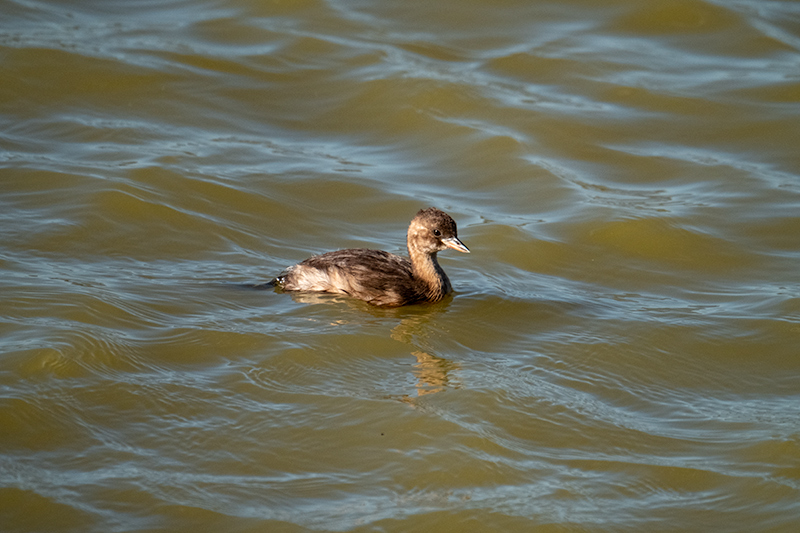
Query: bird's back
[[375, 276]]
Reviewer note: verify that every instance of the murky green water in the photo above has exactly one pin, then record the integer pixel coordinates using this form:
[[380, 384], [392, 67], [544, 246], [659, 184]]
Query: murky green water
[[621, 353]]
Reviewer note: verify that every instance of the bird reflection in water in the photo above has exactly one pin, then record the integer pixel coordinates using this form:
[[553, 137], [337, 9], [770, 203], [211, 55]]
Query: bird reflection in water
[[432, 373]]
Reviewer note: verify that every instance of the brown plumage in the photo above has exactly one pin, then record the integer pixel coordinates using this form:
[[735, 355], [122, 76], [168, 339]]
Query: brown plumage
[[381, 278]]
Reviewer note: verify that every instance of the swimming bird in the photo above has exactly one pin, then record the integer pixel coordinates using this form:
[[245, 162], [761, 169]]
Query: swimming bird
[[381, 278]]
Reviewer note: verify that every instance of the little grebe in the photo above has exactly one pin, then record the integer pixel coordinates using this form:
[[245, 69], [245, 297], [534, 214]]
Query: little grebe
[[381, 278]]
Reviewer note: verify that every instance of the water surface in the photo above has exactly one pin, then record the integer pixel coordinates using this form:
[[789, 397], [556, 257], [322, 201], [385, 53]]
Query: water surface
[[621, 352]]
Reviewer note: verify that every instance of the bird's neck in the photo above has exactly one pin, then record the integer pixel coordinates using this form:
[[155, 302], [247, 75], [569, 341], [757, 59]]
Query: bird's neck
[[428, 272]]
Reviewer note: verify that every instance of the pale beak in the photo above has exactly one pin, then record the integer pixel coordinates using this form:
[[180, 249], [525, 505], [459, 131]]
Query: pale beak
[[455, 244]]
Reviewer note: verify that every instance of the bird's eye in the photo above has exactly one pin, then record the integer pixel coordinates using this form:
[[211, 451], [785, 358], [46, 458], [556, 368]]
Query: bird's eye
[[437, 233]]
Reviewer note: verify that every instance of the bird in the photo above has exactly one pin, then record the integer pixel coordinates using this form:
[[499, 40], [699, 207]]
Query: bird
[[381, 278]]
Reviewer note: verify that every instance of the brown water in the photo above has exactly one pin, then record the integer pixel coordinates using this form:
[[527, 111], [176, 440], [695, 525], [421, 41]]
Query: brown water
[[623, 349]]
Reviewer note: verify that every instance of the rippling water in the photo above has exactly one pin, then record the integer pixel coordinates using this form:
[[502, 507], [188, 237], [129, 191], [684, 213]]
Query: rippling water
[[621, 353]]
